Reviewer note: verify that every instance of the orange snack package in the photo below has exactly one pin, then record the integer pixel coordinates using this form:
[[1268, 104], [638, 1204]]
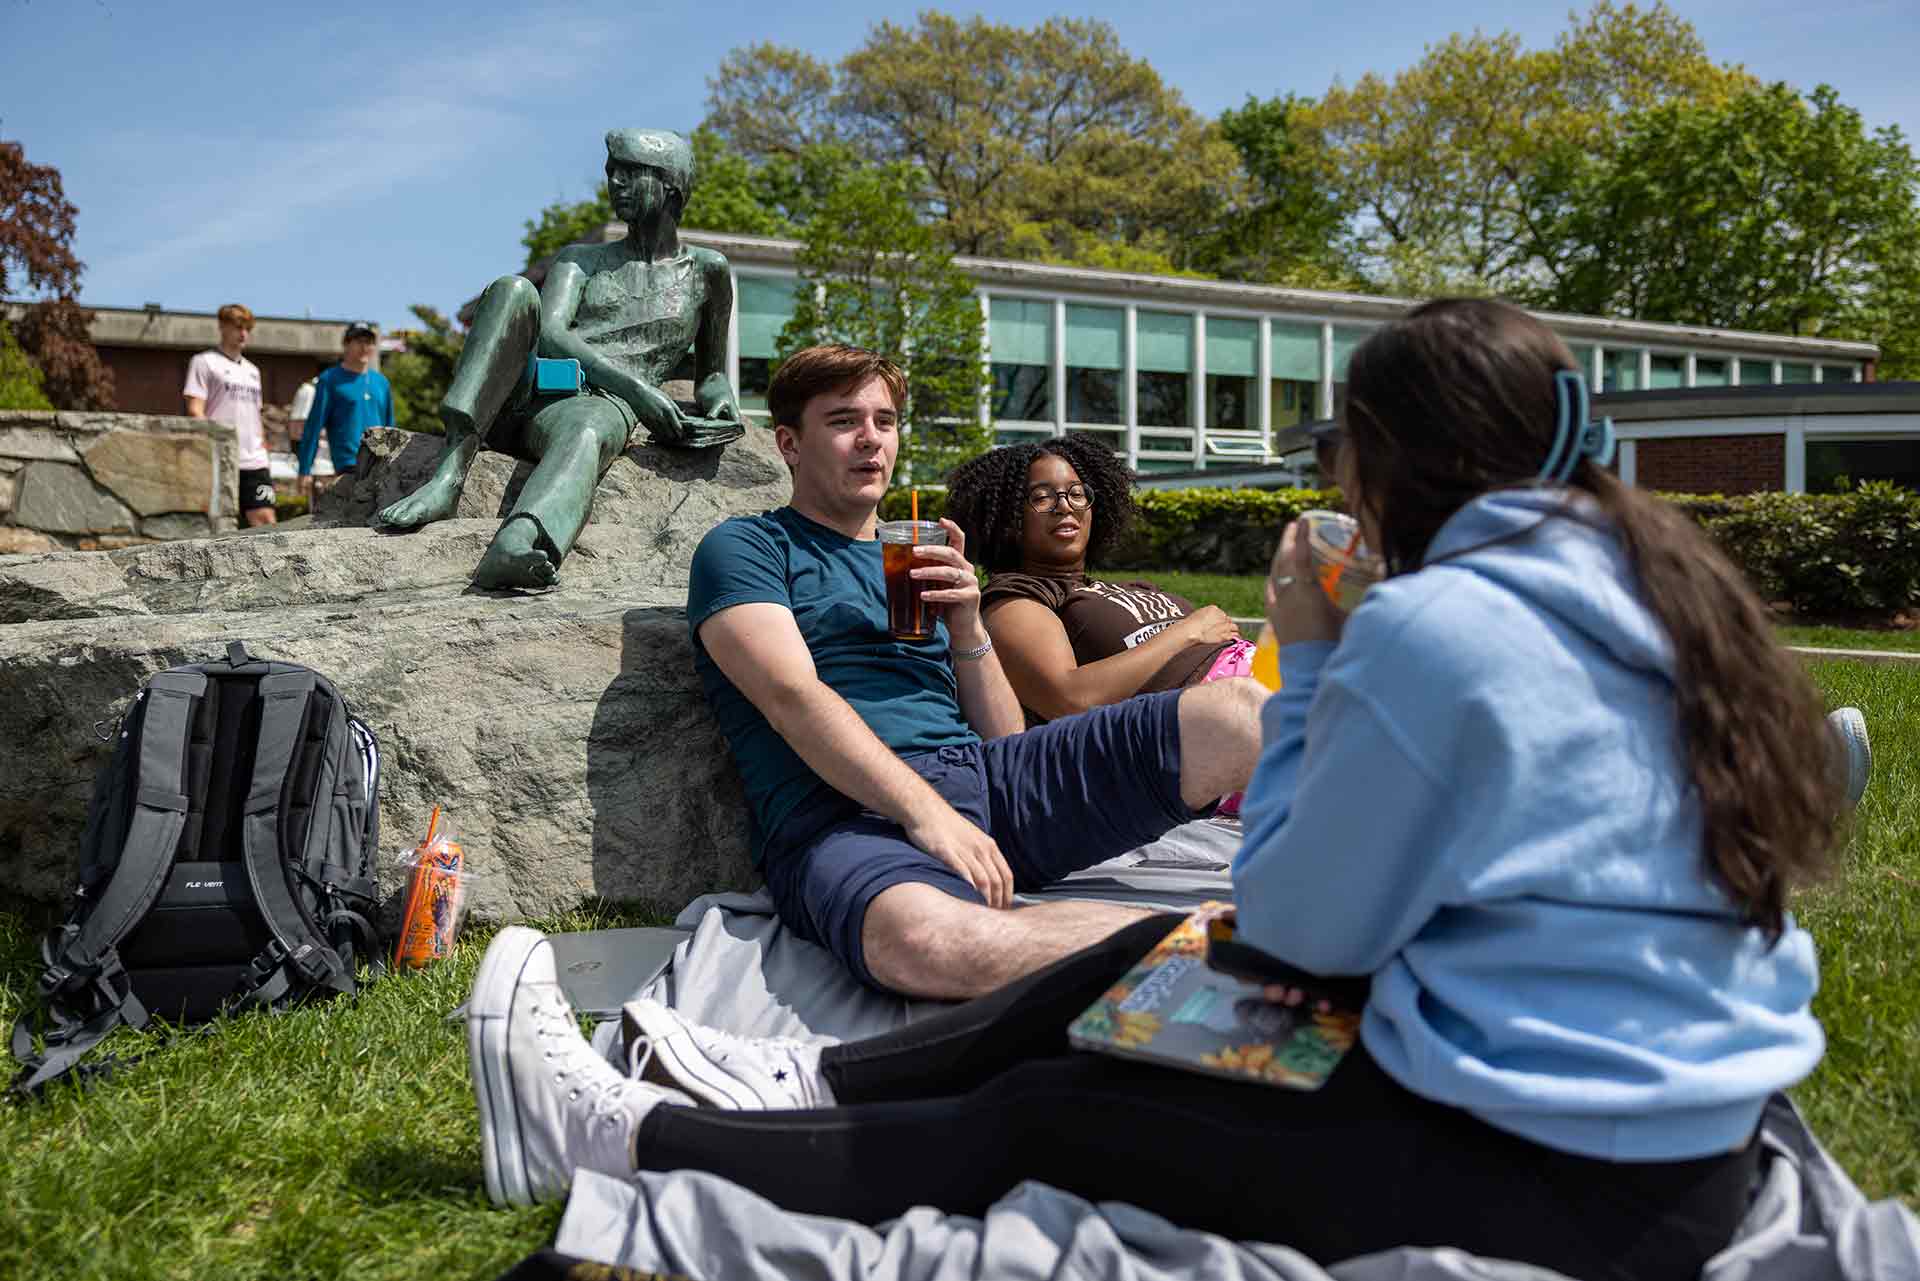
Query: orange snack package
[[434, 899]]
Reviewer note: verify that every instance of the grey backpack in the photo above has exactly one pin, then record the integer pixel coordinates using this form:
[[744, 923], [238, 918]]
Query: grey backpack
[[227, 861]]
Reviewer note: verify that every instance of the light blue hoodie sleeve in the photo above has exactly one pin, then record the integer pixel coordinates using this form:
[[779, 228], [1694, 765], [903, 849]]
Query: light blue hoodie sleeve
[[1333, 874]]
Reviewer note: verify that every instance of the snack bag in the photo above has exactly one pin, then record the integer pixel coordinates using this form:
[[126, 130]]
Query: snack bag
[[436, 892]]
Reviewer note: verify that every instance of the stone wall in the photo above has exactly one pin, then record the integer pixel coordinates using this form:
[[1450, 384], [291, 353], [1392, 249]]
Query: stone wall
[[565, 731], [97, 481]]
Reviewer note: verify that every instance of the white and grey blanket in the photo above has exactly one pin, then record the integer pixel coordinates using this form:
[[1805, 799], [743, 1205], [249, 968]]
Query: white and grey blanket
[[740, 970]]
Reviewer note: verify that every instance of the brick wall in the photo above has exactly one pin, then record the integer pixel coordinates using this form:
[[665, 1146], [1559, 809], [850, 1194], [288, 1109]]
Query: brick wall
[[1712, 464], [147, 380]]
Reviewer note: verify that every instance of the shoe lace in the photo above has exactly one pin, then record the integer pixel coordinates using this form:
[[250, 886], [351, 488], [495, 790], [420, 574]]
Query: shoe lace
[[607, 1093]]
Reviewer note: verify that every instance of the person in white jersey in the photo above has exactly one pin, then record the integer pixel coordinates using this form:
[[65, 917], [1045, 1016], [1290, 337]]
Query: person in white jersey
[[224, 386]]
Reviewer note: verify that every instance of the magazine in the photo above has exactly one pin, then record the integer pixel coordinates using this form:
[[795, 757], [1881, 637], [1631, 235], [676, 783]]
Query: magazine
[[1175, 1009]]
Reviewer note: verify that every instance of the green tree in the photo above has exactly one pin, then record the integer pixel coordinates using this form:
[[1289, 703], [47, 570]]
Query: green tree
[[1771, 211], [1285, 225], [1034, 142], [567, 222], [422, 373], [873, 274], [1439, 163], [20, 379]]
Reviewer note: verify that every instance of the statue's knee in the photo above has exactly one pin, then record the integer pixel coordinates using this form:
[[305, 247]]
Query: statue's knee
[[512, 293]]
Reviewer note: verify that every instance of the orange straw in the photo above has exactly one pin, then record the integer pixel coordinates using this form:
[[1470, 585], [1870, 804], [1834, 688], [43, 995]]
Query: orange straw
[[433, 823], [913, 497], [1330, 576]]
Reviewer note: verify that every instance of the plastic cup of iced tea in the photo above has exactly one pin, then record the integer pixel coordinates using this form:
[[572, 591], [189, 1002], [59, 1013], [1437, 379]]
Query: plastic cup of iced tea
[[908, 616]]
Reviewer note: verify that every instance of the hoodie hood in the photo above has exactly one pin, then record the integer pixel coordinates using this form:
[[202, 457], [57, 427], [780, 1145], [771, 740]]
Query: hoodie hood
[[1557, 549]]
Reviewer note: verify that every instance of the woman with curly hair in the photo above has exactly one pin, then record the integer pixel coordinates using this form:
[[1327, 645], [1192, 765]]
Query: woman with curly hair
[[1038, 517]]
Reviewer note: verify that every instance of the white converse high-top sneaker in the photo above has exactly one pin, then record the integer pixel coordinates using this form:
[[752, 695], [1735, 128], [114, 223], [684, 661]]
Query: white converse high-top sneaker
[[548, 1104], [719, 1068]]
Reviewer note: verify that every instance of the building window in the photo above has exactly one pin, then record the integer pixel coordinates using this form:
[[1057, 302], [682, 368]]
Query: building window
[[1792, 372], [1021, 333], [1582, 359], [764, 306], [1836, 373], [1294, 350], [1619, 370], [1756, 373], [1345, 343], [1163, 368], [1835, 466], [1233, 369], [1664, 372], [1709, 371], [1094, 363]]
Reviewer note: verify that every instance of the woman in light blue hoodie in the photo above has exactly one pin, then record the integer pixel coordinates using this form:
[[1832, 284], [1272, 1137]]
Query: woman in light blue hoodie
[[1548, 788]]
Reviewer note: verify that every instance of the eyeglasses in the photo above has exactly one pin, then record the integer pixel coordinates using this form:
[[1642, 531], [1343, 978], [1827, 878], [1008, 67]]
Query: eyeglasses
[[1044, 500]]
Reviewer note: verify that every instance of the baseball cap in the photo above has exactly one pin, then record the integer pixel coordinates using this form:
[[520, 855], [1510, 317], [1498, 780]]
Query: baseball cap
[[361, 329]]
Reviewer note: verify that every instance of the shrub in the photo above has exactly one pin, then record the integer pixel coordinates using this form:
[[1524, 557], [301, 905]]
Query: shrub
[[1823, 554]]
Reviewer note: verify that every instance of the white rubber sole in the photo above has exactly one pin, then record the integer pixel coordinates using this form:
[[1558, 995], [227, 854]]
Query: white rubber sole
[[502, 1154], [691, 1070], [1851, 728]]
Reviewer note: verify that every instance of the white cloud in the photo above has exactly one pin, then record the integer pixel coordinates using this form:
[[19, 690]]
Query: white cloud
[[420, 118]]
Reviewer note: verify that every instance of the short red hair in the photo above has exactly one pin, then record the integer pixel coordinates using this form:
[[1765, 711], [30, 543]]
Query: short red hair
[[235, 314]]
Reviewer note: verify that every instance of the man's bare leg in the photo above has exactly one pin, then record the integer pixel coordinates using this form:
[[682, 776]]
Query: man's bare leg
[[506, 326], [921, 941], [1219, 738]]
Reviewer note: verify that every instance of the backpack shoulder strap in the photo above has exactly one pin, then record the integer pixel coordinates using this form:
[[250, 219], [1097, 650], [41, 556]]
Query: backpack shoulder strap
[[84, 987], [295, 952]]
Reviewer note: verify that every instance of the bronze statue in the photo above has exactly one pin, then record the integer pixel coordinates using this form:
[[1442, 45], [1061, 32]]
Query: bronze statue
[[627, 312]]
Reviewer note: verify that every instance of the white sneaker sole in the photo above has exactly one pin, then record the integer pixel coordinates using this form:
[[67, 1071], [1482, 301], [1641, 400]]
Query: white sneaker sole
[[691, 1070], [502, 1154], [1851, 726]]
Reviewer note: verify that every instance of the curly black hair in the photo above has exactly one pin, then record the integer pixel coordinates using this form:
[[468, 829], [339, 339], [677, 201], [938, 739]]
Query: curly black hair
[[987, 497]]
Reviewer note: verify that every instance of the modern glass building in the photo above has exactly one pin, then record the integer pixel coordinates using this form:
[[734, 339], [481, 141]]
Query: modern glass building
[[1185, 375]]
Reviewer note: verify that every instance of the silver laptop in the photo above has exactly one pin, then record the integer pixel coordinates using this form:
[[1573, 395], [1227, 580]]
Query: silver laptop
[[601, 970]]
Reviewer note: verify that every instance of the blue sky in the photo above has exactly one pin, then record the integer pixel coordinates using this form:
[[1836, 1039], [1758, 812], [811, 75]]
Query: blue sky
[[345, 161]]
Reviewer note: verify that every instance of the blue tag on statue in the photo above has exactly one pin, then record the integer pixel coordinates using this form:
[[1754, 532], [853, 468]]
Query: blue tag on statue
[[557, 377]]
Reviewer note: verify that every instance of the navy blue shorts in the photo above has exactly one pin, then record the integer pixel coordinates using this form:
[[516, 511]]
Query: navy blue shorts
[[1055, 798]]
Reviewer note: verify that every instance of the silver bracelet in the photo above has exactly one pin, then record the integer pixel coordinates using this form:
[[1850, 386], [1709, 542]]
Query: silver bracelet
[[976, 654]]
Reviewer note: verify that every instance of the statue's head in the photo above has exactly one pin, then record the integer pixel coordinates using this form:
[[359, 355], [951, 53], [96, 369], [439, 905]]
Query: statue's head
[[648, 171]]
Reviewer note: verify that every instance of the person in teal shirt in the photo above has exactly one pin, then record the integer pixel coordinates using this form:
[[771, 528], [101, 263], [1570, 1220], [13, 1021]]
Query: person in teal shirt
[[347, 399]]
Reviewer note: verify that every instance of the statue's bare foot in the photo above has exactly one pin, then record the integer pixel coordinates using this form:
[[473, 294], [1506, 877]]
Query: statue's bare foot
[[435, 500], [515, 560]]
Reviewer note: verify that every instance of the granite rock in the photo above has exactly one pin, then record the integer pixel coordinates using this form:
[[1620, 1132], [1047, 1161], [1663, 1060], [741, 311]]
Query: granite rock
[[60, 498], [154, 473], [564, 732]]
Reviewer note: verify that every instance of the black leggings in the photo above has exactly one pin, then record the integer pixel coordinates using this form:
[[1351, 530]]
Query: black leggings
[[954, 1110]]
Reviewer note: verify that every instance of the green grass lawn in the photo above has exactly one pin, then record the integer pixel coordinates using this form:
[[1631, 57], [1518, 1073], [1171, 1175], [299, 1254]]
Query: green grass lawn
[[1241, 596], [341, 1140]]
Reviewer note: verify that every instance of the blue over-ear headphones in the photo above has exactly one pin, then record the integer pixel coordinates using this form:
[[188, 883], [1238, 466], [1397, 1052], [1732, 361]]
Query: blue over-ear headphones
[[1575, 435]]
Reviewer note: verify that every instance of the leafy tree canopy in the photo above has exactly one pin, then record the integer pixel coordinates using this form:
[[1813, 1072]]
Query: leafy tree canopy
[[874, 274], [1053, 139], [422, 373], [1770, 211], [1437, 163]]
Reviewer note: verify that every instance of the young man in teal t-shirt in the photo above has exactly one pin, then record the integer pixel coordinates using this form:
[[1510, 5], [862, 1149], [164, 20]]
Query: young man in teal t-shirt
[[347, 399], [897, 805]]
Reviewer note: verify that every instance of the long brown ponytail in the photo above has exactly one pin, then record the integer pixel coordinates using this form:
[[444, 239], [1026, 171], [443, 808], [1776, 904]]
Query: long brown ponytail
[[1455, 400]]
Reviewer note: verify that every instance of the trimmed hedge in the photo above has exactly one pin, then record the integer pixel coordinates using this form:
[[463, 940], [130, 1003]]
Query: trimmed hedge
[[1822, 555]]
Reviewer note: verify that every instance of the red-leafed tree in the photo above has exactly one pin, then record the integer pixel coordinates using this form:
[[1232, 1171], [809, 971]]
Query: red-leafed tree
[[36, 259]]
